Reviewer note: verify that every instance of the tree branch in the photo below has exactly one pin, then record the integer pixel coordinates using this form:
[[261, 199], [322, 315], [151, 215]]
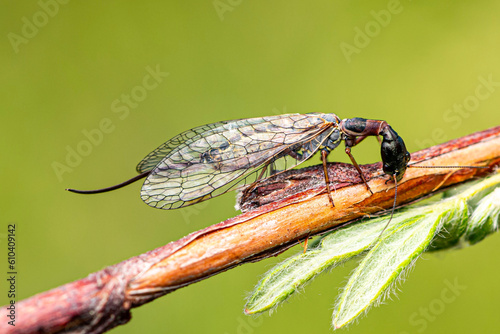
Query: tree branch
[[278, 213]]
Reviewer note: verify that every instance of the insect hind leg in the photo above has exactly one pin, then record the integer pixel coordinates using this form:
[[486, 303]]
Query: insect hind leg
[[254, 184]]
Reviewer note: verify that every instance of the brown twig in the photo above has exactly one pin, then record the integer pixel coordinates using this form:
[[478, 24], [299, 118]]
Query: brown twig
[[277, 214]]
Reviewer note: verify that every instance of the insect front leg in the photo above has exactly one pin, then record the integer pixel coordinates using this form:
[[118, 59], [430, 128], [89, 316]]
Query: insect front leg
[[395, 157], [351, 141], [348, 152]]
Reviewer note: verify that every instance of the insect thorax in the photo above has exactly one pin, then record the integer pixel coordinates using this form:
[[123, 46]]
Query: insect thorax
[[328, 140], [333, 140], [331, 117]]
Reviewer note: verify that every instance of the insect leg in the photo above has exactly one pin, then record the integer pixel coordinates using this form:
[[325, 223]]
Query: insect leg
[[272, 168], [306, 241], [296, 155], [324, 153], [252, 186], [348, 152], [351, 141], [395, 157], [262, 172], [356, 140], [359, 139]]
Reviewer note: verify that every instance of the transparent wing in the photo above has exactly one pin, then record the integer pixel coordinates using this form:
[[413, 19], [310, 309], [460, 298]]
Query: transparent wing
[[208, 163], [154, 158]]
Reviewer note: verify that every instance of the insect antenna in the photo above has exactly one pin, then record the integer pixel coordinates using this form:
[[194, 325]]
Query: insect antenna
[[393, 207], [413, 166], [396, 189], [118, 186]]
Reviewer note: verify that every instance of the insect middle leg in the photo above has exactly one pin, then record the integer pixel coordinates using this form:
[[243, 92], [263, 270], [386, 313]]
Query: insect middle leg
[[324, 154]]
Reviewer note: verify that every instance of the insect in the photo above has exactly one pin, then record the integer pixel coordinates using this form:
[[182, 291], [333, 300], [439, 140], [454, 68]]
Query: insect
[[210, 160]]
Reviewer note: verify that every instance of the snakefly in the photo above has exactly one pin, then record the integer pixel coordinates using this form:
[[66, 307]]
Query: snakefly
[[209, 160]]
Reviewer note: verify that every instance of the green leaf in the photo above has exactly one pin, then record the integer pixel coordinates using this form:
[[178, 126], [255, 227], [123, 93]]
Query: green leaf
[[335, 248], [469, 213], [485, 218], [383, 264], [453, 228]]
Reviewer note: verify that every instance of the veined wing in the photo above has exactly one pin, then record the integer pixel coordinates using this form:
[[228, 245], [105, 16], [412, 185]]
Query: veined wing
[[154, 158], [209, 163]]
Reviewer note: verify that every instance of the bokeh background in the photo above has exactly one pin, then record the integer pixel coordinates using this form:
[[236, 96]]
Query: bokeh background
[[408, 62]]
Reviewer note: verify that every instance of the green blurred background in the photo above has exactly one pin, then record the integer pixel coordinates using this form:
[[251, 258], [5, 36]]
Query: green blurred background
[[231, 59]]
